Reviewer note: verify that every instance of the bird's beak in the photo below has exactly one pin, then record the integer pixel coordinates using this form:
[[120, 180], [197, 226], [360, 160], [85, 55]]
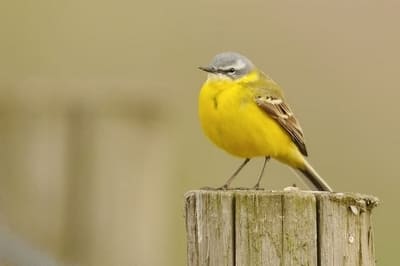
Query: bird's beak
[[208, 69]]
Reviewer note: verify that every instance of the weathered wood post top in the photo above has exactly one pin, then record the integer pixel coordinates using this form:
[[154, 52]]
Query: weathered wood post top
[[249, 228]]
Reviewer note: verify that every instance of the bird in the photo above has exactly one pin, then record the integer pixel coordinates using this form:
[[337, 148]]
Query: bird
[[244, 112]]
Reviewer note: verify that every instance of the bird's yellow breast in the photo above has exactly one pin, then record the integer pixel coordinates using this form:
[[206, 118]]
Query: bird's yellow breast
[[233, 121]]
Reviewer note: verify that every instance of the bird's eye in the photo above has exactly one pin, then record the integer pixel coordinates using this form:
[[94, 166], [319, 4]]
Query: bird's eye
[[231, 70]]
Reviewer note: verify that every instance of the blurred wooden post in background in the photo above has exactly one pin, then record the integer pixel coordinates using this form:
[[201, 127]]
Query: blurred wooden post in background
[[249, 228]]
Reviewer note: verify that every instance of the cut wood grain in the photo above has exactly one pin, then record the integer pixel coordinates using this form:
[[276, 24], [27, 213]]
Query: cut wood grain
[[247, 227]]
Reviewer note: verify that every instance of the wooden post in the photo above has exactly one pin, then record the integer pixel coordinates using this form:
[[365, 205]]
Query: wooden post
[[250, 228]]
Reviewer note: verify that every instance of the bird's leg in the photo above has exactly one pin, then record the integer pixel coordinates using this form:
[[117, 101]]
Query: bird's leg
[[257, 185], [229, 181]]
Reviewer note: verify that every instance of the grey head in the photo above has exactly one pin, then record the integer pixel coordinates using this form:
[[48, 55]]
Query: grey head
[[229, 64]]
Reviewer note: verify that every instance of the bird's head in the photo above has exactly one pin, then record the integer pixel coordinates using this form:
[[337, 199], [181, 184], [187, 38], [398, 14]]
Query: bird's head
[[229, 65]]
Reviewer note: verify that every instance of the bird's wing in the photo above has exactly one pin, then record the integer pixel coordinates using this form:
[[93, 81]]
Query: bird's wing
[[276, 107]]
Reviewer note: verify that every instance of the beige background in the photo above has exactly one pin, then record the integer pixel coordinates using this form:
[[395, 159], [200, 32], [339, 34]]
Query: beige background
[[99, 137]]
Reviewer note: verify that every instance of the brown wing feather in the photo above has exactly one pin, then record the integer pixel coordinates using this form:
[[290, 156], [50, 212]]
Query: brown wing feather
[[281, 112]]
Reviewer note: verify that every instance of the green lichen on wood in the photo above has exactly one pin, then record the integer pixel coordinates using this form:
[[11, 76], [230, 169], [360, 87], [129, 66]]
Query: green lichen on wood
[[258, 228], [299, 228]]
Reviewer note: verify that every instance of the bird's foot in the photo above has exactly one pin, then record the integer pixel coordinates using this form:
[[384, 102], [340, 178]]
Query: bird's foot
[[209, 188], [257, 187], [224, 187]]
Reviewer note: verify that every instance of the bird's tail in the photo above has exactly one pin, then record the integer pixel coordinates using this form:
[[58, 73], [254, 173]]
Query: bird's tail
[[313, 178]]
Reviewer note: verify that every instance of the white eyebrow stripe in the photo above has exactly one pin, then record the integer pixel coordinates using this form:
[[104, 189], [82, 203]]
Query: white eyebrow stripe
[[239, 64]]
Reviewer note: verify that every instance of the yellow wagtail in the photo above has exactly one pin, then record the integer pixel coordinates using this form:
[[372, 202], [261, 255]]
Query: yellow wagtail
[[244, 112]]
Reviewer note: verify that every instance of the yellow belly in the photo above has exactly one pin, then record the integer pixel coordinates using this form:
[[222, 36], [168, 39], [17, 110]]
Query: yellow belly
[[232, 120]]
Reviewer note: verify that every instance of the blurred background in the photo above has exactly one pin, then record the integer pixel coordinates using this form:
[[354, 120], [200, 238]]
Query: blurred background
[[99, 136]]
